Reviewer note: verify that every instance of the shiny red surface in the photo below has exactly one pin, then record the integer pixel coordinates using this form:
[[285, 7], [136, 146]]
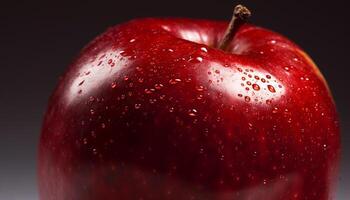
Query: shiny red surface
[[152, 110]]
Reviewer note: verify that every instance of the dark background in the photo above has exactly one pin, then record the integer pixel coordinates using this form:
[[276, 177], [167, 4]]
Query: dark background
[[39, 39]]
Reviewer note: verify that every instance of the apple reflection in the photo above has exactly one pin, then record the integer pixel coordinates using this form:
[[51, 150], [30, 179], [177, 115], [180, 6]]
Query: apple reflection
[[93, 73], [245, 83]]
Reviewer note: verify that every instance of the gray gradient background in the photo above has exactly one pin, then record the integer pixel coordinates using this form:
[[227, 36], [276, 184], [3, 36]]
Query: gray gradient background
[[39, 39]]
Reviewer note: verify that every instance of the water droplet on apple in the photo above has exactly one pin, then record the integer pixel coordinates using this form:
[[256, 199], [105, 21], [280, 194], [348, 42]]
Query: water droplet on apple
[[113, 85], [148, 91], [199, 97], [140, 80], [246, 98], [222, 157], [102, 56], [199, 59], [256, 87], [103, 125], [92, 111], [268, 76], [152, 101], [199, 88], [158, 86], [256, 77], [137, 106], [268, 101], [240, 95], [161, 97], [250, 126], [132, 40], [271, 88], [170, 50], [91, 98], [138, 69], [204, 49], [110, 61], [192, 112], [81, 83], [171, 109], [174, 81], [94, 151], [275, 110], [217, 71]]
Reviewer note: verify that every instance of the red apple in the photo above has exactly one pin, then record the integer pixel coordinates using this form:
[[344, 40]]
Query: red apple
[[154, 109]]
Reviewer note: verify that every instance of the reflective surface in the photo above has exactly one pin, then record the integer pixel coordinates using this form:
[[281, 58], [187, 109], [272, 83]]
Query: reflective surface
[[152, 110]]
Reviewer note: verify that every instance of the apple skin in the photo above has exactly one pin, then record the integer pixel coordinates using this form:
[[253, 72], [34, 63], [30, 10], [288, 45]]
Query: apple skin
[[151, 109]]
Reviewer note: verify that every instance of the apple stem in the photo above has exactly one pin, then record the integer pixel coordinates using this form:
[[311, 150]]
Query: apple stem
[[240, 17]]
